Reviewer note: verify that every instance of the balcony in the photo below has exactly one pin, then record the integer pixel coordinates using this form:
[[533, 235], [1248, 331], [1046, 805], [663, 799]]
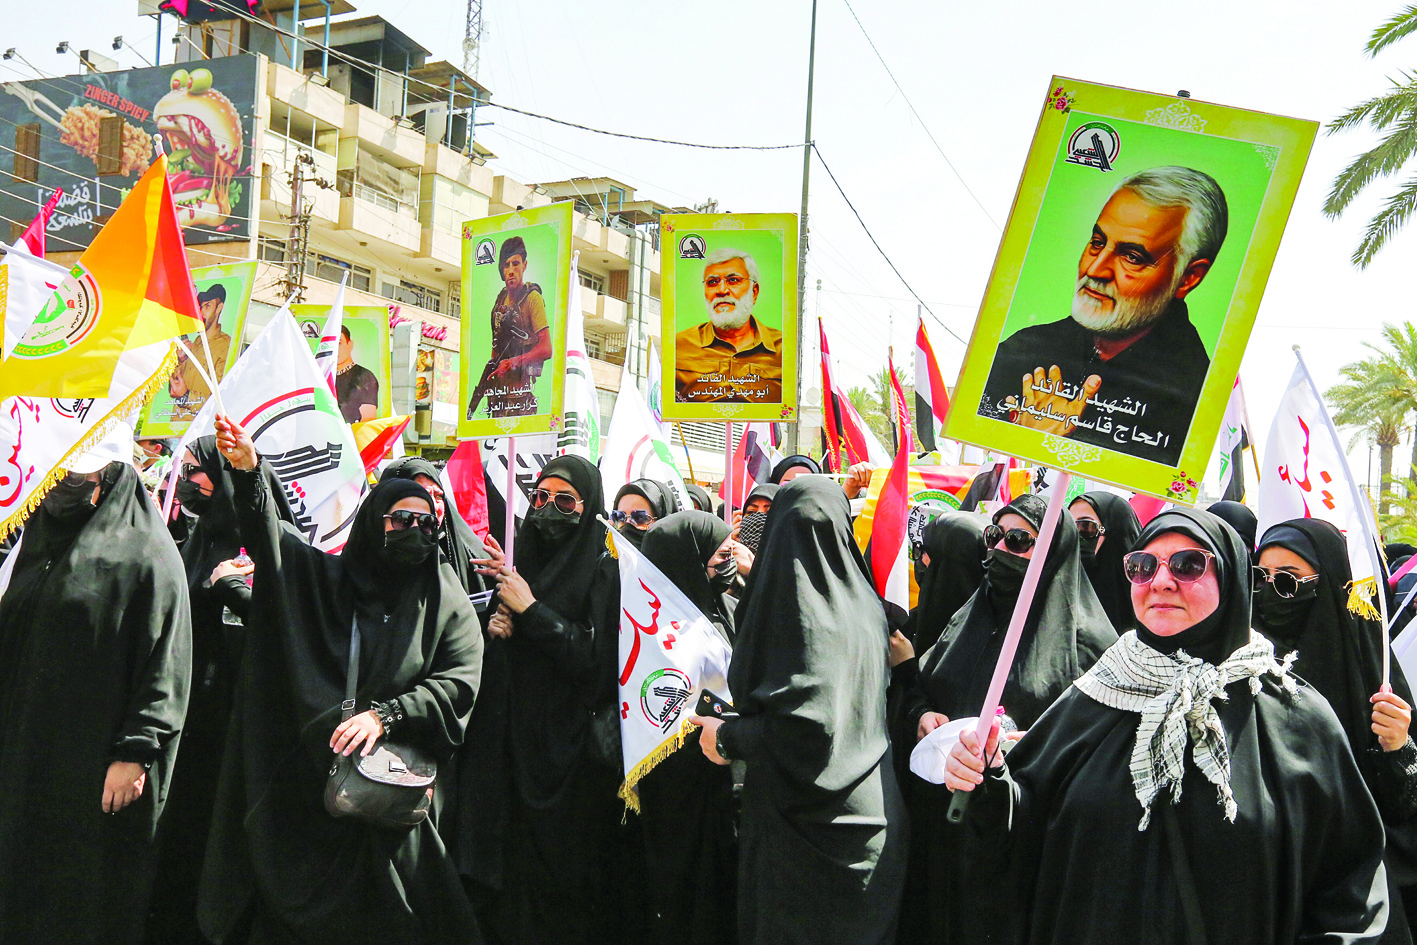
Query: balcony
[[602, 312], [448, 163], [507, 195], [284, 84], [586, 233], [381, 217], [402, 147]]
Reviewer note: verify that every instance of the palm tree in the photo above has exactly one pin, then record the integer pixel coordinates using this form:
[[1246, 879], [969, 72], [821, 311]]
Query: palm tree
[[1365, 403], [1394, 114], [874, 403]]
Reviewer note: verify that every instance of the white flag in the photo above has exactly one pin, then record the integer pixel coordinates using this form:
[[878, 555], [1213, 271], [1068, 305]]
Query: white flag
[[327, 351], [669, 653], [580, 433], [635, 449], [27, 283], [38, 435], [1305, 475], [277, 392], [655, 402], [533, 452]]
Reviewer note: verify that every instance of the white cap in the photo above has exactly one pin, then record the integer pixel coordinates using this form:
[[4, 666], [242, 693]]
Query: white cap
[[116, 447]]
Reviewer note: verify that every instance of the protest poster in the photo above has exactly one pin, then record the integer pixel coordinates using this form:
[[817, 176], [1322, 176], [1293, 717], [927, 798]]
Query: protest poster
[[516, 268], [363, 366], [223, 294], [729, 295], [1107, 346]]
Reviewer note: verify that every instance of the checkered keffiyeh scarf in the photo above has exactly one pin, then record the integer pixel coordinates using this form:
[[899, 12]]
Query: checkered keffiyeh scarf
[[1173, 694]]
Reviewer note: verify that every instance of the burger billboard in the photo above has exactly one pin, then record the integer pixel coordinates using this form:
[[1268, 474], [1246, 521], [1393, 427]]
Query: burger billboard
[[92, 135]]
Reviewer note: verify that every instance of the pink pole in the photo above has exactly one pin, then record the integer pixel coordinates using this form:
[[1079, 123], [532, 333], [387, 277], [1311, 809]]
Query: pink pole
[[509, 526], [1025, 601], [728, 476]]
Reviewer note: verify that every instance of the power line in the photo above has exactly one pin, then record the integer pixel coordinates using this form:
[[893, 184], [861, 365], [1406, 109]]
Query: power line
[[883, 253], [923, 126], [617, 134]]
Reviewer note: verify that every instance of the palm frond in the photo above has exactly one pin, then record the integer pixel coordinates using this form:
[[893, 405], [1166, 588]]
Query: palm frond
[[1384, 159], [1387, 222], [1401, 25], [1382, 110]]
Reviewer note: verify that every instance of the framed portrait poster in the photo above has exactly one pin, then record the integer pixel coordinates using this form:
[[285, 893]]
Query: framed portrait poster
[[516, 271], [1126, 284], [223, 294], [363, 363], [729, 296]]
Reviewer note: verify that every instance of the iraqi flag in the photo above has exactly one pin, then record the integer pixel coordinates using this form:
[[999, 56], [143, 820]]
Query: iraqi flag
[[669, 653], [753, 461], [848, 439], [463, 480], [932, 400], [889, 549], [1230, 446]]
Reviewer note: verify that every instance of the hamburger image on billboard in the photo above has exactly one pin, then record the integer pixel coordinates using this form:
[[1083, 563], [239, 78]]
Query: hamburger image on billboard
[[203, 129]]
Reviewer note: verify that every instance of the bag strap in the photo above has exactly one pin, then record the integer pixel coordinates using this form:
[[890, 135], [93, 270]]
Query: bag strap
[[1185, 880], [351, 682]]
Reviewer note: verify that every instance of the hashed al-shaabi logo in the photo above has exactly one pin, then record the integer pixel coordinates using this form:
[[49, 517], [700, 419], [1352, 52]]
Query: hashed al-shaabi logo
[[1095, 144], [68, 317], [663, 696]]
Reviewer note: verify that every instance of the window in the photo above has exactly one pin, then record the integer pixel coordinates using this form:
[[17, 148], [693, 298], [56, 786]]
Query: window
[[27, 152], [110, 146], [411, 293], [269, 250], [383, 184], [455, 299], [332, 270], [592, 281]]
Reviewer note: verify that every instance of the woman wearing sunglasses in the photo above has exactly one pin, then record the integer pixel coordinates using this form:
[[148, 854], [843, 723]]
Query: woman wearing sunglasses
[[220, 598], [279, 868], [1065, 632], [1107, 526], [640, 504], [686, 802], [1301, 603], [456, 538], [559, 864], [1274, 838]]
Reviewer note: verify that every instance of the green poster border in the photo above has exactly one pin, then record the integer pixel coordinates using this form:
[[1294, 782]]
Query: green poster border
[[379, 316], [784, 226], [245, 269], [560, 216], [1293, 139]]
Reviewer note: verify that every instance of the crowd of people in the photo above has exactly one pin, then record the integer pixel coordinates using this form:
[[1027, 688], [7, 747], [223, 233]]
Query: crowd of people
[[1195, 741]]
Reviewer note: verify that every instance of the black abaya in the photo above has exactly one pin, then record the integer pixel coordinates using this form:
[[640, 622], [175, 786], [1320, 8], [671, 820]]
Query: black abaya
[[1300, 863], [955, 543], [686, 801], [459, 543], [1104, 567], [823, 834], [279, 867], [95, 666]]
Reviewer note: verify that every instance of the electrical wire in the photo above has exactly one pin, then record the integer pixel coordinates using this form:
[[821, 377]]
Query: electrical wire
[[618, 134], [923, 126]]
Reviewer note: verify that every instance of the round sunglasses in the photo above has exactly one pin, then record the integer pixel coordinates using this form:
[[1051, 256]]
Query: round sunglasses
[[638, 518], [190, 469], [1090, 528], [1285, 583], [1186, 566], [404, 519], [1017, 541], [564, 501]]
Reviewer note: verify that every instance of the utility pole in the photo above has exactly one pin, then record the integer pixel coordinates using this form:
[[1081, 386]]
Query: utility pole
[[792, 431], [294, 281]]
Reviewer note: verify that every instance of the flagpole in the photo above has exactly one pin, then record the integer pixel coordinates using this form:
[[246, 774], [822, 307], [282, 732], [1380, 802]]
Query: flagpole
[[1056, 502], [687, 458], [1369, 539], [728, 475], [1249, 429], [213, 380], [509, 520]]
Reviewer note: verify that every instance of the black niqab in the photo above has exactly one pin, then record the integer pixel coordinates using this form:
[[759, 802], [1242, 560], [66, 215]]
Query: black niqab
[[699, 496], [456, 539], [1228, 628], [1065, 632], [561, 573], [1239, 517], [780, 470], [955, 543], [1104, 569]]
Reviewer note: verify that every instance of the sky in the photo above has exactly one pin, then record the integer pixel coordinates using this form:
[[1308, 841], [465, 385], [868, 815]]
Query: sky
[[735, 72]]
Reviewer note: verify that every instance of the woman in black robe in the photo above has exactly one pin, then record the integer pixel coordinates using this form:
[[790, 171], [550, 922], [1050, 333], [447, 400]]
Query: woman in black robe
[[561, 872], [756, 506], [823, 833], [1064, 634], [95, 667], [1102, 551], [1185, 789], [279, 868], [686, 801], [949, 571], [459, 543], [649, 498], [1340, 655], [219, 611], [699, 496], [1239, 517], [790, 468]]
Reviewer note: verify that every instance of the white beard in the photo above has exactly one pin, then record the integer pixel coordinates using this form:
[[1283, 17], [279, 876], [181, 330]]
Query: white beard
[[735, 317], [1123, 316]]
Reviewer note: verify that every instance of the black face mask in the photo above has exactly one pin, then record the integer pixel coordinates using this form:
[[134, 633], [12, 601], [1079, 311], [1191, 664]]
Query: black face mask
[[1087, 548], [552, 524], [633, 535], [1003, 574], [407, 549], [192, 498], [750, 529], [723, 575], [69, 502], [1284, 617], [920, 568]]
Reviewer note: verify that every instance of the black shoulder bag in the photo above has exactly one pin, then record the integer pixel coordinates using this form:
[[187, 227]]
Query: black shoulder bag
[[392, 786]]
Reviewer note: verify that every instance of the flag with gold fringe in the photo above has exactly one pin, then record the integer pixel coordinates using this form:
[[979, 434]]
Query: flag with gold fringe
[[130, 289], [669, 653]]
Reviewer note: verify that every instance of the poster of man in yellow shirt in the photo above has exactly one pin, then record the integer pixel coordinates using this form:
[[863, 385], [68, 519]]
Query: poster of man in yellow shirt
[[730, 305]]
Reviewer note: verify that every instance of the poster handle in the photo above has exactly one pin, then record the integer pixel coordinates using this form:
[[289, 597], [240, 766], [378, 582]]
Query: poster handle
[[509, 522], [1056, 501], [728, 474]]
